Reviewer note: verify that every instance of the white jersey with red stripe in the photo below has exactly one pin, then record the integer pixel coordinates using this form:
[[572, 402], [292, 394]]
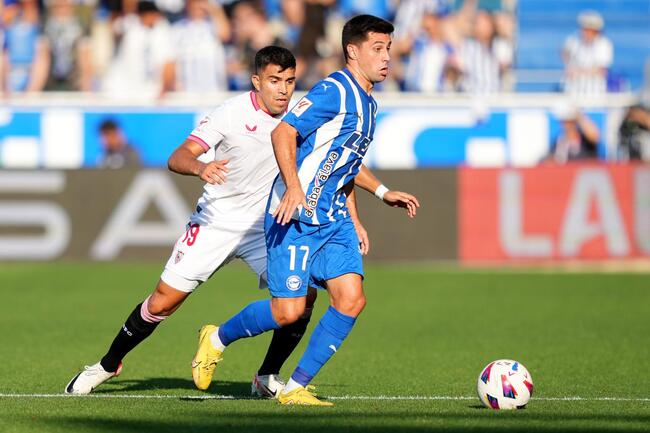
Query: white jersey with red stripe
[[240, 131]]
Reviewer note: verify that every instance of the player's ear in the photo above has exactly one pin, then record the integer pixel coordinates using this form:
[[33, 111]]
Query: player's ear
[[255, 79], [352, 51]]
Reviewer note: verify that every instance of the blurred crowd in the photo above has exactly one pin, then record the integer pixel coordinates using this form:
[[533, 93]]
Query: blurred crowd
[[131, 47], [128, 47]]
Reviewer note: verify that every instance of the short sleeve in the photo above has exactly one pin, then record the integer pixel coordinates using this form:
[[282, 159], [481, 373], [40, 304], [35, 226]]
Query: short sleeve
[[503, 51], [570, 46], [165, 51], [604, 53], [319, 106], [211, 129]]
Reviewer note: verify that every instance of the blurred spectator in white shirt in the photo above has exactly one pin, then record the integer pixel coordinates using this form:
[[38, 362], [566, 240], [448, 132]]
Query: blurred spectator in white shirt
[[144, 64], [200, 55], [485, 57], [409, 13], [69, 48], [587, 56]]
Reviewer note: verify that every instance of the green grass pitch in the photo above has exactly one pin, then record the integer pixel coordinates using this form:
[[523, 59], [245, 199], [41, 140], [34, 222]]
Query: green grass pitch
[[426, 332]]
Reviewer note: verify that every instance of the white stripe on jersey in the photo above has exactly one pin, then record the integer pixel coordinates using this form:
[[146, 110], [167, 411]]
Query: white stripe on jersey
[[357, 100], [346, 153], [326, 135]]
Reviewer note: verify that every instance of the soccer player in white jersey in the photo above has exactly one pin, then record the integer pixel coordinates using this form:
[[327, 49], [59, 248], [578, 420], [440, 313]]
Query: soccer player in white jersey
[[310, 231], [228, 221]]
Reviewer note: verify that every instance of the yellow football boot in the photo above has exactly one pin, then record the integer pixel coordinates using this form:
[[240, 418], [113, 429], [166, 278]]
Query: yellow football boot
[[206, 358], [303, 397]]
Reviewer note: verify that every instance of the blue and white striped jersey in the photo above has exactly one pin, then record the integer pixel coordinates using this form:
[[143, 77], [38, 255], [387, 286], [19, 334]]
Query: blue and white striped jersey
[[335, 122]]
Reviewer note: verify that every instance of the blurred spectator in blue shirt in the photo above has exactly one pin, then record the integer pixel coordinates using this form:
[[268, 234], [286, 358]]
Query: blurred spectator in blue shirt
[[431, 58], [27, 59], [379, 8]]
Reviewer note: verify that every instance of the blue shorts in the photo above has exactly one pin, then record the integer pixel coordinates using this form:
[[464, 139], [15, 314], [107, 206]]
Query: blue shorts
[[300, 255]]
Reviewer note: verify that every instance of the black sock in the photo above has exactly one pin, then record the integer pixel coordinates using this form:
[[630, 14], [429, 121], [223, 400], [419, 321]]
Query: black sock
[[284, 341], [132, 333]]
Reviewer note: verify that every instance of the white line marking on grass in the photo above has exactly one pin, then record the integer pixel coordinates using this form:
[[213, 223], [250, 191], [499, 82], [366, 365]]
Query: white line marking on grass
[[339, 397]]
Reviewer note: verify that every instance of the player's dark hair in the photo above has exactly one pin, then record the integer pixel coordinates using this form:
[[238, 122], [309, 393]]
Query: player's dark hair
[[145, 6], [356, 30], [108, 125], [274, 55]]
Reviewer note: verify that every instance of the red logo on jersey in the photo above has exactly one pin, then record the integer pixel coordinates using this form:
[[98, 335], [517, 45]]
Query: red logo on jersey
[[301, 107], [251, 128]]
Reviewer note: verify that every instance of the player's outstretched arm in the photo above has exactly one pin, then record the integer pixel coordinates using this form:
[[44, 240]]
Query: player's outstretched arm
[[184, 161], [351, 202], [284, 142], [368, 181]]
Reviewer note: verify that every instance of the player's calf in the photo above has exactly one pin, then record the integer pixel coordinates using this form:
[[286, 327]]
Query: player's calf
[[138, 326], [288, 310]]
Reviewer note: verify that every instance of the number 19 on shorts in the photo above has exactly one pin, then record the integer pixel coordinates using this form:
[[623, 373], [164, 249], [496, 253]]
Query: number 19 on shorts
[[292, 260]]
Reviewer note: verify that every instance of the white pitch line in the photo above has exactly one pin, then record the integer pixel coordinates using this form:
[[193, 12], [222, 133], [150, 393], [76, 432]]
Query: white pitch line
[[340, 397]]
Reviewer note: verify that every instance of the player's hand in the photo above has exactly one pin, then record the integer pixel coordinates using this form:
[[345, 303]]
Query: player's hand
[[214, 172], [404, 200], [364, 241], [292, 198]]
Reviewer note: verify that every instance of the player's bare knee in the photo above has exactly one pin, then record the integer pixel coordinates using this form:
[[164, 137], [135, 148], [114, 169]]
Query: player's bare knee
[[357, 305], [351, 304], [158, 309], [165, 300], [287, 310], [159, 306]]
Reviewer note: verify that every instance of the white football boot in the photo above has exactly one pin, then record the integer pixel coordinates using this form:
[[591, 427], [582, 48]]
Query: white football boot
[[90, 378], [267, 386]]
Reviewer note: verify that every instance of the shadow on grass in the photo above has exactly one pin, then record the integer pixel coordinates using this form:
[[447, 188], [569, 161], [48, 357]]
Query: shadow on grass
[[327, 420], [235, 389]]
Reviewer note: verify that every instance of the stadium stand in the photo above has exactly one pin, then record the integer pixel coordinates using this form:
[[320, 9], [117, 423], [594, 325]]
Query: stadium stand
[[542, 29]]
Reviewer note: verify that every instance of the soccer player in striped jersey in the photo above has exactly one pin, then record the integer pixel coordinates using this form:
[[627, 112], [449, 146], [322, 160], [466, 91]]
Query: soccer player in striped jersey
[[310, 235], [228, 222]]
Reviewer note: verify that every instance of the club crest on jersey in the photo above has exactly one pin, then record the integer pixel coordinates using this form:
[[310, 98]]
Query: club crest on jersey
[[301, 107], [294, 282], [179, 257], [251, 128]]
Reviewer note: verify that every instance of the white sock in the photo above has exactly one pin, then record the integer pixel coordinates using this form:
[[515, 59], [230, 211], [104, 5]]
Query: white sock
[[290, 386], [216, 341]]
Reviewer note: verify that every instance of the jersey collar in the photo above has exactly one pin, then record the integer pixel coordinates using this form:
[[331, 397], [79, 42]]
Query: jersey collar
[[347, 72], [257, 106]]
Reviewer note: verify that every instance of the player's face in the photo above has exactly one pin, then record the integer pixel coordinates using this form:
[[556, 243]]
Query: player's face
[[373, 56], [275, 87]]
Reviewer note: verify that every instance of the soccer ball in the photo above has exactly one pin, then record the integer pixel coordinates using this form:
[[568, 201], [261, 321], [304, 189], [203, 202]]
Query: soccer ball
[[505, 384]]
